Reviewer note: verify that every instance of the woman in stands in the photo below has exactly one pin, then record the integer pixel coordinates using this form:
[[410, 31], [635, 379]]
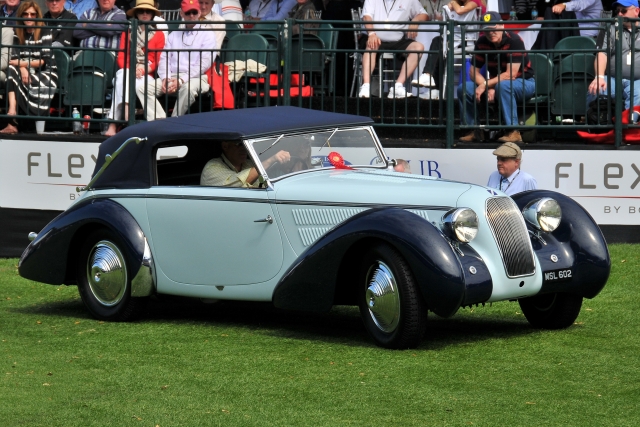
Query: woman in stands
[[31, 76], [149, 44]]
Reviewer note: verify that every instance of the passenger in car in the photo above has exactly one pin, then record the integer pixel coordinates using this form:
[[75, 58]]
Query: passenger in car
[[234, 168]]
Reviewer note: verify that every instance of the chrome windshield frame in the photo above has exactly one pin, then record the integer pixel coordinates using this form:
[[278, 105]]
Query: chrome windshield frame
[[249, 144]]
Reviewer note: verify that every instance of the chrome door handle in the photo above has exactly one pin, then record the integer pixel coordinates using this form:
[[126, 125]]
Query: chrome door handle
[[268, 219]]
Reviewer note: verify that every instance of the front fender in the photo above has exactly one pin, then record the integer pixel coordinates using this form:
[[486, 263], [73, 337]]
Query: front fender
[[310, 283], [47, 258], [578, 243]]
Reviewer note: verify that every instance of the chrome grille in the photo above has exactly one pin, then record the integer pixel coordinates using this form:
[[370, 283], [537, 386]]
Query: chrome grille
[[510, 232]]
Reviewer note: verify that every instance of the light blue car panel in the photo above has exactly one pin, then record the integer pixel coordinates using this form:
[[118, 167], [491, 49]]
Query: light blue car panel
[[208, 235]]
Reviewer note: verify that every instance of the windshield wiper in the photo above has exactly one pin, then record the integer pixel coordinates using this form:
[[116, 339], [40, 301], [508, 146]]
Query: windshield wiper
[[327, 141], [274, 143]]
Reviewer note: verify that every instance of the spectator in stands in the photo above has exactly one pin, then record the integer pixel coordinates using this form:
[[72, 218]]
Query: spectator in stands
[[402, 166], [230, 10], [210, 17], [584, 9], [99, 35], [431, 74], [303, 10], [187, 55], [279, 10], [79, 7], [509, 178], [32, 78], [630, 39], [5, 50], [64, 33], [149, 44], [399, 39], [259, 8], [9, 10], [511, 77]]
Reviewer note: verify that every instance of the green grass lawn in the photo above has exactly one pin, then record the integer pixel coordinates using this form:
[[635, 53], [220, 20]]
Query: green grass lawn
[[236, 364]]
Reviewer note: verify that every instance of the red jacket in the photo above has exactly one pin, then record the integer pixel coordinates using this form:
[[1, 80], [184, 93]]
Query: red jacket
[[155, 46]]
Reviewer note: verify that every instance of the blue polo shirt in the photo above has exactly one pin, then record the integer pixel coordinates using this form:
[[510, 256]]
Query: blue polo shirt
[[518, 182]]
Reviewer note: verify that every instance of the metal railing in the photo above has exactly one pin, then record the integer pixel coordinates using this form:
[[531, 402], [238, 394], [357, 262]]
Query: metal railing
[[314, 70]]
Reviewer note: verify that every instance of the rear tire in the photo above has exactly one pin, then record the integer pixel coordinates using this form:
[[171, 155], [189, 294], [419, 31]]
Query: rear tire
[[392, 308], [104, 279], [551, 311]]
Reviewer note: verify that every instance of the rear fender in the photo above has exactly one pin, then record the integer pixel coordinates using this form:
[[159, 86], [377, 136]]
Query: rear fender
[[333, 261], [51, 257]]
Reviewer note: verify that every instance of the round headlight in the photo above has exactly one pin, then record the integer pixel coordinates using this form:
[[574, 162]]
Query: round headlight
[[545, 214], [461, 224]]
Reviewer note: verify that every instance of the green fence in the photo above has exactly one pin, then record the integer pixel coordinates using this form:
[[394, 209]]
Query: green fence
[[320, 68]]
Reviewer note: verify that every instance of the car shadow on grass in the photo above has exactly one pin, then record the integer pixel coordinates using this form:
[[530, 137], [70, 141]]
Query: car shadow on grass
[[342, 325]]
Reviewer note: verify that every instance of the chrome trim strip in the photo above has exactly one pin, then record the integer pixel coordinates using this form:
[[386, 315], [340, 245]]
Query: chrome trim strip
[[277, 202], [144, 284]]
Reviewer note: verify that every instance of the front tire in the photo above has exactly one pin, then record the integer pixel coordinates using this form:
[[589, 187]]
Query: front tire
[[391, 305], [104, 279], [551, 311]]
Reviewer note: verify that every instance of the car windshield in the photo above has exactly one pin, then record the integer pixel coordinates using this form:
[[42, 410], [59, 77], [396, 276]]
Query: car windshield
[[311, 150]]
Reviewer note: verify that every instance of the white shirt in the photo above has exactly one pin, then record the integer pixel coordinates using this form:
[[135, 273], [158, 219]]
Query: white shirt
[[187, 65], [392, 11], [518, 182]]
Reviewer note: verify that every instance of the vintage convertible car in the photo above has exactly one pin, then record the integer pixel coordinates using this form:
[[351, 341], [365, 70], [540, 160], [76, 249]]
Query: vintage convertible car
[[334, 225]]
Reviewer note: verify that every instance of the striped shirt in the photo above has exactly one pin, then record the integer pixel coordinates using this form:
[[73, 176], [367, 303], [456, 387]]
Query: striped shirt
[[100, 35], [496, 62]]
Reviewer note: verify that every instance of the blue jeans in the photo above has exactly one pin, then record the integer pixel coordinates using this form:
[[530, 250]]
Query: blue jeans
[[626, 92], [510, 93]]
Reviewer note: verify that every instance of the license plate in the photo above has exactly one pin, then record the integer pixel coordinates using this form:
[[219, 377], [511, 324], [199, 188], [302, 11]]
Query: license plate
[[561, 275]]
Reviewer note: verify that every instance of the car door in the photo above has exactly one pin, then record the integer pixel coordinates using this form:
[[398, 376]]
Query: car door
[[213, 235]]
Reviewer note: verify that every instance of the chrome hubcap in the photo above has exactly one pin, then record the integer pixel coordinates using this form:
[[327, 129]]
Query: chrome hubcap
[[106, 273], [382, 297]]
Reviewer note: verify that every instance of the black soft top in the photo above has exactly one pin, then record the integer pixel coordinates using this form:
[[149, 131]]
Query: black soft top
[[132, 167]]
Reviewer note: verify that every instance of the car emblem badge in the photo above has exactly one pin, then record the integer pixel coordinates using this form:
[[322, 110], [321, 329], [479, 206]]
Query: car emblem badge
[[554, 258]]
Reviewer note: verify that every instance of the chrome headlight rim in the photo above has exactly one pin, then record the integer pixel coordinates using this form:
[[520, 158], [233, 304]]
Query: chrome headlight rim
[[545, 214], [461, 224]]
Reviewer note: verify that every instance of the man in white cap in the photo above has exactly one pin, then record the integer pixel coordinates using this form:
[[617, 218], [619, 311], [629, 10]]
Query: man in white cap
[[509, 178]]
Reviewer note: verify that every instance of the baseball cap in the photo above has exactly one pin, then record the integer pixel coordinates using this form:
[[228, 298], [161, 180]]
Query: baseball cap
[[491, 19], [188, 5], [508, 149], [625, 3]]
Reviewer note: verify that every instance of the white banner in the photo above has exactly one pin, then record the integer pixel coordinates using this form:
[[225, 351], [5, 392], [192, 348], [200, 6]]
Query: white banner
[[606, 183], [45, 174]]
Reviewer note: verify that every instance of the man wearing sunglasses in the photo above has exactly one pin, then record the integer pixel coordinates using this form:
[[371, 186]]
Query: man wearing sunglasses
[[630, 55], [187, 55], [63, 34]]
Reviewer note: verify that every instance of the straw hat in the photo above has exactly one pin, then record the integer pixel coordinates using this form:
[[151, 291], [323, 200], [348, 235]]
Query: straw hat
[[144, 4]]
